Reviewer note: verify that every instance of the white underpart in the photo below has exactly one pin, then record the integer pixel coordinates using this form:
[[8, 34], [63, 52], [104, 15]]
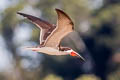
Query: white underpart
[[48, 50], [40, 35], [69, 51]]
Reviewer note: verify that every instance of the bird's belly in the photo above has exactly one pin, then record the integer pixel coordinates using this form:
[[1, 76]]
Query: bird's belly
[[50, 51]]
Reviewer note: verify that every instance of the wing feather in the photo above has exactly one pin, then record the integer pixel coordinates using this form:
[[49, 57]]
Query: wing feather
[[45, 27], [64, 27]]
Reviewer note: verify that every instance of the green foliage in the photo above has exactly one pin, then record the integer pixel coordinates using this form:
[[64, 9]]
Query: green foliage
[[110, 17], [106, 15], [52, 77], [88, 77], [114, 75]]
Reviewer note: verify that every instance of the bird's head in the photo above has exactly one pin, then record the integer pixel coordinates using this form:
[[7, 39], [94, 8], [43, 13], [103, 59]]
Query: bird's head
[[74, 54]]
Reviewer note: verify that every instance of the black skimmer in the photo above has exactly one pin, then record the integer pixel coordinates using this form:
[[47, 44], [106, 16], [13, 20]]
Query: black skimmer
[[51, 34]]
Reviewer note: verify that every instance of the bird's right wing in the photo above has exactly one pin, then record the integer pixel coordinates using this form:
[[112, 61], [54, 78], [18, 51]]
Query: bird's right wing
[[64, 27], [46, 28]]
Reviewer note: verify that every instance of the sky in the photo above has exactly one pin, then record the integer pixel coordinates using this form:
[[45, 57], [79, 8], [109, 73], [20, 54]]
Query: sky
[[95, 4], [5, 56], [6, 3]]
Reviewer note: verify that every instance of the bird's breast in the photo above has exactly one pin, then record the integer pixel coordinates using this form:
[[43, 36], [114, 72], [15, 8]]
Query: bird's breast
[[50, 51]]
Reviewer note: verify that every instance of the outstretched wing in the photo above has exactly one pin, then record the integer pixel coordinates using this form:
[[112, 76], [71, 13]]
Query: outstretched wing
[[64, 27], [46, 28]]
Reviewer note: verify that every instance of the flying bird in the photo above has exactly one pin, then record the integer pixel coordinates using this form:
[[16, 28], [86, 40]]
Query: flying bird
[[51, 34]]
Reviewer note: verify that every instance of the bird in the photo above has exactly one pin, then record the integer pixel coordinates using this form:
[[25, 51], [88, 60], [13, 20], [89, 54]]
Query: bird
[[52, 34]]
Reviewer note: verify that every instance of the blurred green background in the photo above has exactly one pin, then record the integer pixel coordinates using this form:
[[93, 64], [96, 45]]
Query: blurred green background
[[97, 39]]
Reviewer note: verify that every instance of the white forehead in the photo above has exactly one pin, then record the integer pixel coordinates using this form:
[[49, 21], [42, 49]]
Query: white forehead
[[69, 51]]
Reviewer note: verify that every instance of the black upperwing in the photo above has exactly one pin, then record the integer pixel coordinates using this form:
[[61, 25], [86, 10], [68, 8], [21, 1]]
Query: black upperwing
[[46, 28]]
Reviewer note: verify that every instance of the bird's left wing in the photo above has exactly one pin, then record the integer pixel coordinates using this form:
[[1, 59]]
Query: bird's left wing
[[64, 27]]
